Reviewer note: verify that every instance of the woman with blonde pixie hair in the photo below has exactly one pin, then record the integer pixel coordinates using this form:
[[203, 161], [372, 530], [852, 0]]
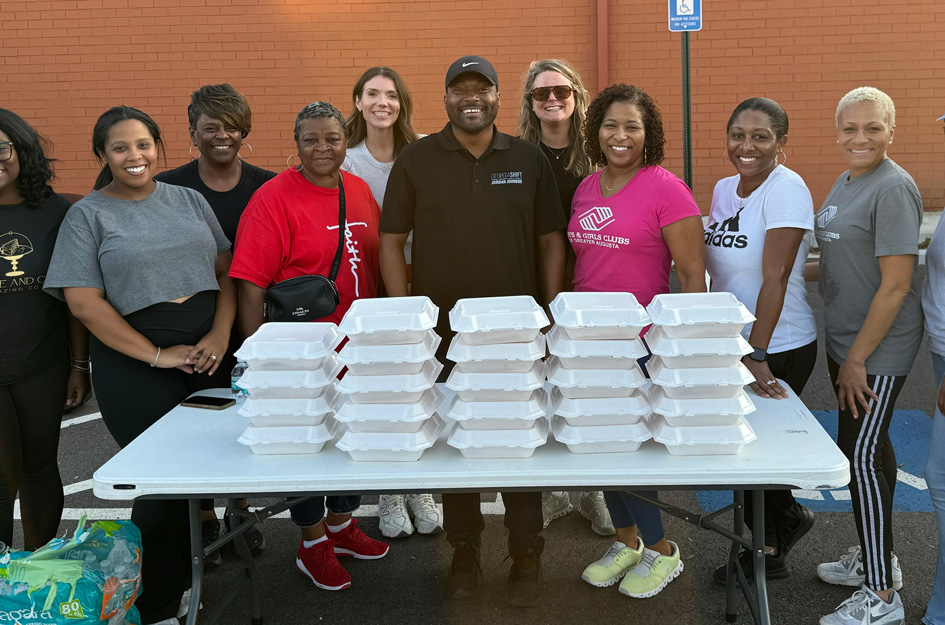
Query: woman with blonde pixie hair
[[868, 230], [554, 106]]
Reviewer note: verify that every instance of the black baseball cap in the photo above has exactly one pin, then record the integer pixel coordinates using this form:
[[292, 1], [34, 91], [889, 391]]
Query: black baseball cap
[[474, 64]]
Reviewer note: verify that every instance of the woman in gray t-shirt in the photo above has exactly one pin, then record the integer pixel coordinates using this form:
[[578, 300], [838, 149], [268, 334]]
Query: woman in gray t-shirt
[[868, 230], [379, 127], [144, 266]]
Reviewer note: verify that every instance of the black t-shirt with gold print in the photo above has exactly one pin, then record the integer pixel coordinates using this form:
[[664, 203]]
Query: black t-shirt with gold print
[[35, 330]]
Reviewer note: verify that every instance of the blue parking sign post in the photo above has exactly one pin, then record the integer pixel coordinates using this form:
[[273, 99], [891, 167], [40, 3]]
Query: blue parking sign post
[[685, 16]]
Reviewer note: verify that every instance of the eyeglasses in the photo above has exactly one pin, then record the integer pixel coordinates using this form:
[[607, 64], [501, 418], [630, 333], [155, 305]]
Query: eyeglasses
[[541, 94], [6, 150]]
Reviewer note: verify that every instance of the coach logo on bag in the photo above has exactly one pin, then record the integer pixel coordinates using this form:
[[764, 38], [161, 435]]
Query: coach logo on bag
[[299, 312]]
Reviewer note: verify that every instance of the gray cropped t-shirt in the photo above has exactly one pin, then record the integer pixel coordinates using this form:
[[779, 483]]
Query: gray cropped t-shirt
[[138, 252]]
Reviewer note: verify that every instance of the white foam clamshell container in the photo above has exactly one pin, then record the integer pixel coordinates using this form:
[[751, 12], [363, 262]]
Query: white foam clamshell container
[[598, 411], [588, 315], [510, 319], [290, 346], [591, 354], [496, 357], [390, 417], [694, 315], [700, 411], [287, 412], [705, 440], [701, 383], [288, 440], [389, 320], [499, 415], [499, 443], [391, 446], [390, 389], [290, 384], [698, 352], [500, 386], [581, 383], [600, 439], [406, 358]]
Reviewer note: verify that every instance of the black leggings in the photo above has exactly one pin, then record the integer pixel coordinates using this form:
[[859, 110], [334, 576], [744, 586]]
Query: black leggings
[[132, 396], [782, 512], [30, 416], [865, 442]]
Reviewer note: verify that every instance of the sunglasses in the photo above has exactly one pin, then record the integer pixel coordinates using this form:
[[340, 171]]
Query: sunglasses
[[541, 94]]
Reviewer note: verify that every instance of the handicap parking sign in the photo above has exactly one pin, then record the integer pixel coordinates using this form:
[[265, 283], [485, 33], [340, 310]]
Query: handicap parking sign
[[685, 15]]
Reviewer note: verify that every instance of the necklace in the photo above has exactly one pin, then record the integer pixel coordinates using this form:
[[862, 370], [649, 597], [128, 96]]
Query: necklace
[[619, 185], [557, 152]]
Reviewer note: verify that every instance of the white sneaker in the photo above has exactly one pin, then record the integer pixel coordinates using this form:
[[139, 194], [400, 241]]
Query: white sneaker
[[185, 604], [592, 507], [849, 570], [426, 516], [866, 608], [392, 514], [554, 505]]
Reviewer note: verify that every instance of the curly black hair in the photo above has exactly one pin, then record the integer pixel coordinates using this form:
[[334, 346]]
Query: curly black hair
[[652, 122], [35, 167]]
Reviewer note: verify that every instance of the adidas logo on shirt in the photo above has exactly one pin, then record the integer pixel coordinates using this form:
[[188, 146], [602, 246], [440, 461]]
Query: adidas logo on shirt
[[720, 235]]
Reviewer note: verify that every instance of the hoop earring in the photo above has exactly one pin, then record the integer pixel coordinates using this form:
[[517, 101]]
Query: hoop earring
[[251, 152], [289, 165], [190, 151], [644, 155], [780, 153]]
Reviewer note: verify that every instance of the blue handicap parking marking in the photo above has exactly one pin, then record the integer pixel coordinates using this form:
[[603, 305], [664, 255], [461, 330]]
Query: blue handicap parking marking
[[909, 431]]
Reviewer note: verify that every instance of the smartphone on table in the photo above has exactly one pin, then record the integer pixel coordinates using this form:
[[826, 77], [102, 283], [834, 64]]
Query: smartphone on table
[[208, 402]]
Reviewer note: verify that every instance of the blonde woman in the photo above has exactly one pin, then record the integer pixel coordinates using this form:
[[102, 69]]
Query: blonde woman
[[554, 106]]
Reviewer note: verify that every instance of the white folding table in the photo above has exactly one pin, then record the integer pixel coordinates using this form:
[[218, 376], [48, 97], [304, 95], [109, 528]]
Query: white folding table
[[193, 454]]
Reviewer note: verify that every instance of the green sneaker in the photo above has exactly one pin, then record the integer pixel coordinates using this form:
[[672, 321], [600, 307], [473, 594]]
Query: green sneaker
[[618, 560], [652, 574]]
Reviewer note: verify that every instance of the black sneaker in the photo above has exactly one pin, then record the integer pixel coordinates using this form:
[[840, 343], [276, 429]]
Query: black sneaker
[[526, 582], [465, 575], [775, 568], [253, 537], [805, 523], [211, 532]]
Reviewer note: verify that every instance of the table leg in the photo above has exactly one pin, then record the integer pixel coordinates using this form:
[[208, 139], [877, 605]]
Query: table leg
[[196, 549], [738, 527], [758, 552], [249, 565]]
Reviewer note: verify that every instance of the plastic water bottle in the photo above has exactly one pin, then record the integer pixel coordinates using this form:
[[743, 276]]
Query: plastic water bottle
[[239, 394]]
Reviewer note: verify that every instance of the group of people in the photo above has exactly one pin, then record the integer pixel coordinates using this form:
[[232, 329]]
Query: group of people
[[156, 277]]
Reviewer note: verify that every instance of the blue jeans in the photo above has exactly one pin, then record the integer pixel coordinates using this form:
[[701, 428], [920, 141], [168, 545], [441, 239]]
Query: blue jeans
[[310, 513], [626, 511], [935, 477]]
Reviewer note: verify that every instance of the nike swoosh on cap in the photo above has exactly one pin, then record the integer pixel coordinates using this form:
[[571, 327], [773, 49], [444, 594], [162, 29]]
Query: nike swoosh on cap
[[473, 63]]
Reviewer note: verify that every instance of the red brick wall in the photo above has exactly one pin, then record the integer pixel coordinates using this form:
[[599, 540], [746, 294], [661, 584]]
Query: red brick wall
[[65, 61]]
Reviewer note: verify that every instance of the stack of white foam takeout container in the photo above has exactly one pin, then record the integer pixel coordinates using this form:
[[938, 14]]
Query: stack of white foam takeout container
[[698, 397], [500, 404], [390, 412], [597, 398], [290, 379]]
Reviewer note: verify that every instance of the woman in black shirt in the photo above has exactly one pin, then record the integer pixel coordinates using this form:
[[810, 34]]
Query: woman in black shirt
[[35, 374]]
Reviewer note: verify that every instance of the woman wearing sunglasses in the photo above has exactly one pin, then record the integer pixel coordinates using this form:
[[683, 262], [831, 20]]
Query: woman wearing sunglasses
[[554, 105], [35, 376]]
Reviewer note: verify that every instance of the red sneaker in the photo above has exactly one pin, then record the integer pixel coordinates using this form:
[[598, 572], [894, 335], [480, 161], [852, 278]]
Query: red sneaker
[[351, 541], [319, 564]]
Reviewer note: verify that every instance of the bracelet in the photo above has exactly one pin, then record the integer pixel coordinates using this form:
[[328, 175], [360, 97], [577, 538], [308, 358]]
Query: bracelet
[[85, 369], [154, 364], [80, 361]]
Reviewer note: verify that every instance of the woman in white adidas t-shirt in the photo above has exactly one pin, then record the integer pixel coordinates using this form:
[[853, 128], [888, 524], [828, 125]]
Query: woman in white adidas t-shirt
[[756, 246]]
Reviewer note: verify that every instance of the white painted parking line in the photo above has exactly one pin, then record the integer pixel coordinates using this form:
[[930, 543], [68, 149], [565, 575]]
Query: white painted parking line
[[78, 420], [840, 495], [912, 480], [816, 495]]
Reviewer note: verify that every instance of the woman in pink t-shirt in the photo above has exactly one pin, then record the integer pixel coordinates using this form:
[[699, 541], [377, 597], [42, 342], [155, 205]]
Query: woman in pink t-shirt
[[629, 222]]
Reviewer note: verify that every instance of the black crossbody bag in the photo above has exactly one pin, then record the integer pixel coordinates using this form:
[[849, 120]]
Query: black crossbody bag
[[306, 298]]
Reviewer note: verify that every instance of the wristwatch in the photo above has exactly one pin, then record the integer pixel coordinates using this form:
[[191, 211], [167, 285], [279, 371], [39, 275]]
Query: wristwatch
[[759, 355]]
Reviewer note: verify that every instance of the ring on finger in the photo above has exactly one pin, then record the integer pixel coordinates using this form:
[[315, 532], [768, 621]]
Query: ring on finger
[[768, 382], [212, 357]]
